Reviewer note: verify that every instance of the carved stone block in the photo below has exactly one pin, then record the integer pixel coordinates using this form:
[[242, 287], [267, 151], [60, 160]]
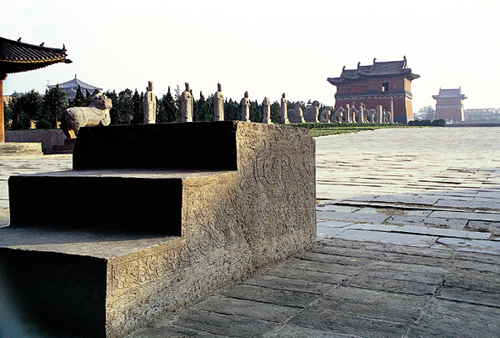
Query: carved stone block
[[253, 205]]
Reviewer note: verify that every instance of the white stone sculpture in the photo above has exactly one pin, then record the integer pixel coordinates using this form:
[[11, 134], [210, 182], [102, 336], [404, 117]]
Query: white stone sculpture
[[284, 111], [337, 117], [295, 115], [149, 105], [379, 118], [245, 108], [218, 104], [187, 105], [96, 114], [267, 111], [347, 115], [371, 115], [311, 113], [324, 117]]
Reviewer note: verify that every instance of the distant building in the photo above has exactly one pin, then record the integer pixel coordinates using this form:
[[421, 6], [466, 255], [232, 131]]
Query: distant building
[[482, 115], [70, 87], [449, 104], [377, 84]]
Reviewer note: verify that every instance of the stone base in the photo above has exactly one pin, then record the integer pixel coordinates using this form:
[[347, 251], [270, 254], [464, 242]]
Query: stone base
[[20, 149], [66, 148], [189, 233]]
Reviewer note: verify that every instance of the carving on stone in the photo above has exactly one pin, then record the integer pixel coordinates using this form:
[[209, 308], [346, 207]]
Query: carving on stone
[[387, 116], [267, 111], [362, 113], [337, 117], [295, 115], [245, 108], [284, 111], [187, 105], [219, 104], [311, 113], [324, 117], [149, 105], [96, 114]]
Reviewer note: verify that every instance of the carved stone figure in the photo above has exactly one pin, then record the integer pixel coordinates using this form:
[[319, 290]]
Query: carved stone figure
[[362, 113], [245, 108], [387, 116], [371, 115], [324, 117], [284, 111], [311, 113], [149, 105], [295, 115], [354, 114], [337, 117], [96, 114], [219, 104], [267, 111], [379, 118], [347, 116], [187, 105]]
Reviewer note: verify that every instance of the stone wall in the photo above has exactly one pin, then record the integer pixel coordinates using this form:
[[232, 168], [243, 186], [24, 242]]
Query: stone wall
[[47, 138]]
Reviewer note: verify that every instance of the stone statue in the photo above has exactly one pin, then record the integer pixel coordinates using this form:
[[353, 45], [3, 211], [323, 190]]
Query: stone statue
[[187, 105], [347, 115], [284, 112], [245, 108], [354, 114], [149, 105], [379, 118], [218, 104], [362, 113], [267, 111], [311, 113], [324, 117], [387, 116], [338, 115], [96, 114], [371, 115], [295, 115]]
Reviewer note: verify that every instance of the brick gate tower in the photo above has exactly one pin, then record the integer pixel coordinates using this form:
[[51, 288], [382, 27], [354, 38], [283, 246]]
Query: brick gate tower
[[378, 84], [450, 104]]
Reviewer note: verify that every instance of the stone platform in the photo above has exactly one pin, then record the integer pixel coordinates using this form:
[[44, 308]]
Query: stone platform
[[135, 238]]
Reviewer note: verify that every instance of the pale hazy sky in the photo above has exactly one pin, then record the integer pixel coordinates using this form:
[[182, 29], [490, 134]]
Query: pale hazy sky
[[265, 47]]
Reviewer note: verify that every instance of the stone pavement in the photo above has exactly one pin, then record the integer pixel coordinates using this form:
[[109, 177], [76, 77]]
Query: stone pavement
[[408, 245]]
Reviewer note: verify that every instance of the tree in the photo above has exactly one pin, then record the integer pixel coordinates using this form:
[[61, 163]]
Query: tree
[[427, 113], [54, 103], [25, 108], [79, 100], [168, 111], [232, 110], [138, 108]]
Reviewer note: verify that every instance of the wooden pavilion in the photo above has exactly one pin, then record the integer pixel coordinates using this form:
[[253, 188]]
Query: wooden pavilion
[[17, 57]]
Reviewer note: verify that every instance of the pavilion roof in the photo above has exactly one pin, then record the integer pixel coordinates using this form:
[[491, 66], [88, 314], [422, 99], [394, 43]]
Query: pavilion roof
[[386, 68], [449, 93], [16, 56], [74, 83]]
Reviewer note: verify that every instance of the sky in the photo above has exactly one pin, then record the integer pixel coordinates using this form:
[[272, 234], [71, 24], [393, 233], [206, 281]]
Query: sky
[[265, 47]]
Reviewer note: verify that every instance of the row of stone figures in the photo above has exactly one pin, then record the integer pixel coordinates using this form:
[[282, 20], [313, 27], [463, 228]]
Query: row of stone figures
[[295, 115], [362, 115]]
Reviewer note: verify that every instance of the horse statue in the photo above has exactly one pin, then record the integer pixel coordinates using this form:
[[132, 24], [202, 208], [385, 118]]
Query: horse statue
[[96, 114]]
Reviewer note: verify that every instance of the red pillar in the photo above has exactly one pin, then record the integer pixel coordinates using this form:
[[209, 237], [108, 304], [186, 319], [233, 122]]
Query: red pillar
[[2, 119]]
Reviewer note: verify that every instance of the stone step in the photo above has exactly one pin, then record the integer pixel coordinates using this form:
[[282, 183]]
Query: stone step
[[155, 217]]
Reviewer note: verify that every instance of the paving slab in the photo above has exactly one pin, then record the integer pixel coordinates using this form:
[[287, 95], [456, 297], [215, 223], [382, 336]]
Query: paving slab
[[388, 237]]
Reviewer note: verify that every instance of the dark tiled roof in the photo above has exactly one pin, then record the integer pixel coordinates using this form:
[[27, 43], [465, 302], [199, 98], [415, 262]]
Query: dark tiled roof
[[387, 68], [16, 57]]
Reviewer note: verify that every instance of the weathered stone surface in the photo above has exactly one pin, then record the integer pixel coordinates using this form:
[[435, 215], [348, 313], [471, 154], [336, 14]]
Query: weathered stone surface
[[246, 308], [187, 105], [454, 319], [279, 297], [224, 233]]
